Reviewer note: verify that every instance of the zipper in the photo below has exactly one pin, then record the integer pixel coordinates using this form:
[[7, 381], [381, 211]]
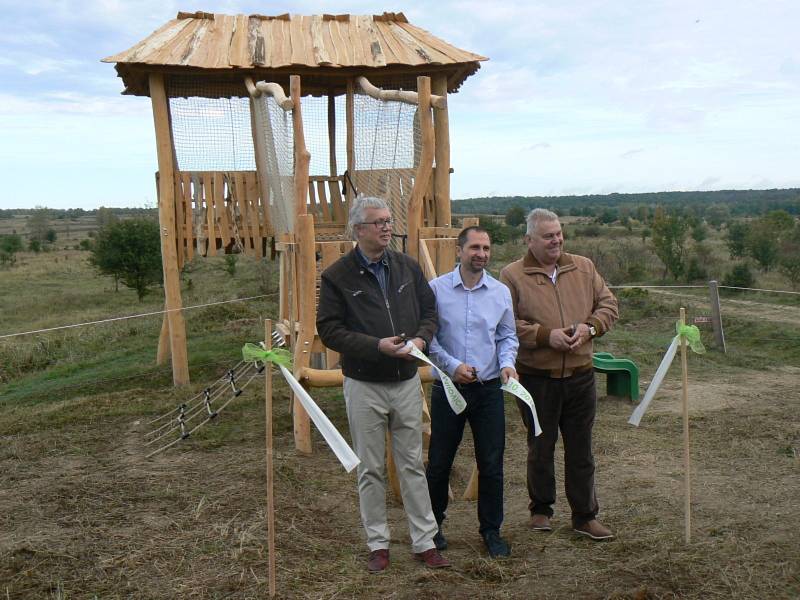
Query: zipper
[[388, 307], [561, 314]]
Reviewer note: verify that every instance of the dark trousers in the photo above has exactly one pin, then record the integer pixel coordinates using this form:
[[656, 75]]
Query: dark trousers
[[486, 415], [567, 404]]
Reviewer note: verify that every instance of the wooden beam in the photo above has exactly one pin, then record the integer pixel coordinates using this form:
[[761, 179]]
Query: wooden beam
[[306, 272], [332, 132], [302, 157], [351, 152], [441, 132], [166, 216], [425, 165]]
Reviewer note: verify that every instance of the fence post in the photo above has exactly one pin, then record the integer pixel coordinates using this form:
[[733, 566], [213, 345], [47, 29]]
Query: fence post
[[716, 316]]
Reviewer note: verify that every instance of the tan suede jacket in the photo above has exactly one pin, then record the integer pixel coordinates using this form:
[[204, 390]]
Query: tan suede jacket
[[579, 296]]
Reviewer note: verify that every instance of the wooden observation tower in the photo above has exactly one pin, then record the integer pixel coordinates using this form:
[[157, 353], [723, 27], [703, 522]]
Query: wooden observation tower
[[267, 126]]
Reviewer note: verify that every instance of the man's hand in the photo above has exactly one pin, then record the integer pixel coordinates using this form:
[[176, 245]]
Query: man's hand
[[405, 351], [392, 346], [580, 337], [508, 372], [465, 374], [560, 339]]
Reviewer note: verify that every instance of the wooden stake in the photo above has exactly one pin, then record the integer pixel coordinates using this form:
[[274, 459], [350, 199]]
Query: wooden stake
[[166, 218], [270, 470], [687, 506]]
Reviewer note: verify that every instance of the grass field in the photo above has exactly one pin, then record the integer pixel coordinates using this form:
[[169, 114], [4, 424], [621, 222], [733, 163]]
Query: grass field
[[84, 514]]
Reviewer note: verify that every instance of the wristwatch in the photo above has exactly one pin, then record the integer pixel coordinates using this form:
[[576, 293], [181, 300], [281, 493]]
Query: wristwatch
[[592, 330]]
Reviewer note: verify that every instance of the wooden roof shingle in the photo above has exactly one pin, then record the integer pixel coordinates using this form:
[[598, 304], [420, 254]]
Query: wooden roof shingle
[[325, 46]]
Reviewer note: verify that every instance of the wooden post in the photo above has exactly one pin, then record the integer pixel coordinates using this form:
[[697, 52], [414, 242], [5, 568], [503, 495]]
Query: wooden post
[[270, 469], [441, 177], [332, 132], [302, 158], [414, 218], [351, 147], [687, 504], [716, 316], [306, 289], [163, 339], [166, 217]]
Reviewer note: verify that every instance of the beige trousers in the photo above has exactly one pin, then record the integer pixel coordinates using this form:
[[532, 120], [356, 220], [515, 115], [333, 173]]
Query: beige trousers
[[372, 408]]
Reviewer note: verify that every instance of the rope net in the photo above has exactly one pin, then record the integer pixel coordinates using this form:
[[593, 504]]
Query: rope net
[[274, 125], [388, 145]]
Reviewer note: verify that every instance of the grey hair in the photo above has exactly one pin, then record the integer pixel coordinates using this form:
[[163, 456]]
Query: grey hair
[[359, 209], [536, 216]]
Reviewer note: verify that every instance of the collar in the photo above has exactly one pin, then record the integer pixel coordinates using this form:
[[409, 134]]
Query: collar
[[530, 265], [458, 281], [366, 262]]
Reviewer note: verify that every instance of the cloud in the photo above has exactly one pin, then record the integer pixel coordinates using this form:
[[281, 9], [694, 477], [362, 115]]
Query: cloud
[[539, 146], [631, 153]]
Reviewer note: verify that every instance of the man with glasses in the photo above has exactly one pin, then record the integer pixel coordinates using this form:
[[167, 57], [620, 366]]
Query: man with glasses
[[372, 301]]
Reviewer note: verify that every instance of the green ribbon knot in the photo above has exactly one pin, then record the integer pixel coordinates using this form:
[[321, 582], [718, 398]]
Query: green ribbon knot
[[692, 335], [279, 356]]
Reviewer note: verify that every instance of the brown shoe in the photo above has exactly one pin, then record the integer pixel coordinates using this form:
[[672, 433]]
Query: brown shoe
[[595, 530], [378, 561], [432, 559], [540, 523]]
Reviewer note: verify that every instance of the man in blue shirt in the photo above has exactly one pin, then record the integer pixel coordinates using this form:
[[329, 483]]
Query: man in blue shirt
[[476, 344]]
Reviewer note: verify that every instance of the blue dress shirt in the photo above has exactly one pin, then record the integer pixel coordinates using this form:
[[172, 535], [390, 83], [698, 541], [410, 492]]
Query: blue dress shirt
[[476, 326]]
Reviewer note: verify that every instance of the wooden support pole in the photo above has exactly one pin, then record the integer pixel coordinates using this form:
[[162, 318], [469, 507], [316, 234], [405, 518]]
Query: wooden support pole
[[166, 217], [351, 148], [332, 132], [305, 272], [471, 491], [687, 501], [302, 157], [270, 468], [716, 315], [414, 217], [163, 339], [441, 177]]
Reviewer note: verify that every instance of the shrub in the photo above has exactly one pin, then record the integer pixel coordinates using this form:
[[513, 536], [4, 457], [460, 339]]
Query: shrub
[[739, 276]]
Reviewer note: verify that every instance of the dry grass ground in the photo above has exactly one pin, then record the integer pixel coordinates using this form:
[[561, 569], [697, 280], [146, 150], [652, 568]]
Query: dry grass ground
[[85, 515]]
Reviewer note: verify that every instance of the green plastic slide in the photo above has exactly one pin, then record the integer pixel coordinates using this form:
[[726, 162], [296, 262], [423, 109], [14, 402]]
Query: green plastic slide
[[622, 375]]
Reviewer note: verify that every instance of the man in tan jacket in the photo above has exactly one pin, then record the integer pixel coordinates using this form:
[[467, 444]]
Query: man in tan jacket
[[561, 303]]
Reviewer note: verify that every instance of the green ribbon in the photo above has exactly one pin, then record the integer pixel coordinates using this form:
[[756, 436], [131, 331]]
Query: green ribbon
[[279, 356], [692, 335]]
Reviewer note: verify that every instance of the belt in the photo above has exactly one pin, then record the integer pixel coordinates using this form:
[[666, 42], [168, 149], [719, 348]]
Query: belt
[[557, 373], [494, 381]]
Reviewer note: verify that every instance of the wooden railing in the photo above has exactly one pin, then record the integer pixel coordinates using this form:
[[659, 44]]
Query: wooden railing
[[222, 212]]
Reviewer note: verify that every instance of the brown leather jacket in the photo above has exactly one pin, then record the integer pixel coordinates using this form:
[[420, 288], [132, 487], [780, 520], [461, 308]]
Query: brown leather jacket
[[579, 296]]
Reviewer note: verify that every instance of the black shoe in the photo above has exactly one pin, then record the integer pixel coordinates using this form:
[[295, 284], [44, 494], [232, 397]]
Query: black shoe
[[440, 540], [495, 545]]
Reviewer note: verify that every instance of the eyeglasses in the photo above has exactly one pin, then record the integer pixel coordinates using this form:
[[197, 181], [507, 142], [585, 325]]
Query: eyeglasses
[[379, 223]]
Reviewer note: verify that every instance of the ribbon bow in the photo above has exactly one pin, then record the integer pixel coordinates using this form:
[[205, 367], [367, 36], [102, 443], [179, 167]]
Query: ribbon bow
[[279, 356], [692, 335]]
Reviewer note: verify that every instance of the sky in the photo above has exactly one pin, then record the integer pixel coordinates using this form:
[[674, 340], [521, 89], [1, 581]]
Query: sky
[[578, 97]]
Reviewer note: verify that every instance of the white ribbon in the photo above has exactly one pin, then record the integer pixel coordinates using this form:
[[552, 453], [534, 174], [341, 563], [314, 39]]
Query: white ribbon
[[456, 400], [514, 387], [332, 436], [656, 383]]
